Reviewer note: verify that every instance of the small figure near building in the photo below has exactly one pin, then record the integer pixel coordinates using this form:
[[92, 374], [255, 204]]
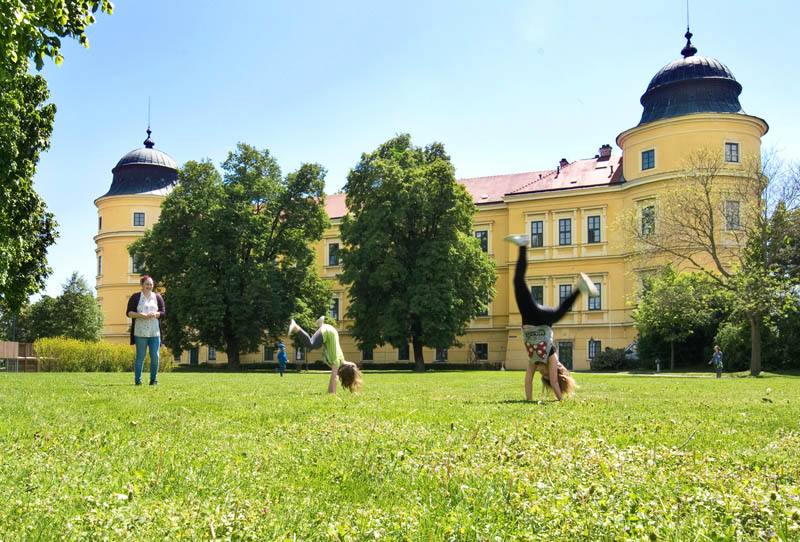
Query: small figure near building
[[281, 358], [716, 360], [658, 365]]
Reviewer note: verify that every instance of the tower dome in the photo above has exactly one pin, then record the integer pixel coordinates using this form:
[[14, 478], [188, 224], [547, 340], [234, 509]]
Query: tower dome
[[144, 171], [692, 84]]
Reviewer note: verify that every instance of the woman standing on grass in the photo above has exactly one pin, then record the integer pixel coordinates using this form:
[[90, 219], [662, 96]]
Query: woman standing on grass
[[146, 309], [537, 331], [327, 336]]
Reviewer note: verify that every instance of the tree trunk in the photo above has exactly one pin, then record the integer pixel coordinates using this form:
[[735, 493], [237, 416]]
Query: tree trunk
[[233, 360], [233, 355], [672, 355], [755, 344], [419, 362]]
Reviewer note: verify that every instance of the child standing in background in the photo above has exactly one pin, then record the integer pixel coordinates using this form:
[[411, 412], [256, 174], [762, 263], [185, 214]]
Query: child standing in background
[[281, 358], [716, 360]]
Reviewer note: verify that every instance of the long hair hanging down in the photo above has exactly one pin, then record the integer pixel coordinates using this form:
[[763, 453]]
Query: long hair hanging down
[[565, 382], [350, 377]]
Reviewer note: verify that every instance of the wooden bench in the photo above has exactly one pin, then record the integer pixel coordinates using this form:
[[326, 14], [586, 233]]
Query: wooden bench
[[19, 357]]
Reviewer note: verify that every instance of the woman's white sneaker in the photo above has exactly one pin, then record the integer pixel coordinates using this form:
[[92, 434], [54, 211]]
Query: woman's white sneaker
[[586, 286], [519, 240]]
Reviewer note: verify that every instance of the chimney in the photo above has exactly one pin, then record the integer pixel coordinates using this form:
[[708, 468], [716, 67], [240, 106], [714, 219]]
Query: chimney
[[564, 162], [605, 152]]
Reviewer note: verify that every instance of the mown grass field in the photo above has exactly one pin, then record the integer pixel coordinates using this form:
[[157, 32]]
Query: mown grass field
[[437, 456]]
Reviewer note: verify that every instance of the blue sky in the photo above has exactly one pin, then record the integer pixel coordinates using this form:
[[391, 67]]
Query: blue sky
[[507, 86]]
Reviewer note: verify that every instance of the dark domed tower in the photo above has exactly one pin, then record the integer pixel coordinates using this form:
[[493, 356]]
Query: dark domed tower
[[141, 180], [691, 103]]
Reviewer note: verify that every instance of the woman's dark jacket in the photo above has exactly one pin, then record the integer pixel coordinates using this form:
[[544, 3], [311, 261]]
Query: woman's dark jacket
[[133, 306]]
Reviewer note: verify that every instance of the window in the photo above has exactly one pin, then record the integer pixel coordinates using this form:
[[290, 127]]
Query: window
[[99, 266], [269, 353], [212, 353], [483, 237], [593, 229], [564, 291], [564, 231], [648, 220], [595, 347], [565, 353], [732, 152], [537, 234], [648, 159], [481, 351], [300, 354], [366, 354], [441, 354], [594, 302], [732, 215], [176, 357], [333, 254], [137, 266], [403, 353], [538, 294], [99, 223], [333, 312], [138, 219]]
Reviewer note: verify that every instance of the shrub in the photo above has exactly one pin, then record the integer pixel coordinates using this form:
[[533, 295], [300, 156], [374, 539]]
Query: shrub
[[611, 359], [70, 355]]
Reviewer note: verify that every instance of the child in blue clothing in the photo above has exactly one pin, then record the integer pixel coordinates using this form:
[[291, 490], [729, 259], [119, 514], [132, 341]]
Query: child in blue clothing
[[281, 358]]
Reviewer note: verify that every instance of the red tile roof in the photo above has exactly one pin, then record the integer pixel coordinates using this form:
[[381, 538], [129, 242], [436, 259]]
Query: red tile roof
[[494, 189], [335, 206]]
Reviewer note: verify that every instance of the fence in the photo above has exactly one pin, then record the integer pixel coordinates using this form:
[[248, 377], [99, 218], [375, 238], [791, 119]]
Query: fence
[[18, 357]]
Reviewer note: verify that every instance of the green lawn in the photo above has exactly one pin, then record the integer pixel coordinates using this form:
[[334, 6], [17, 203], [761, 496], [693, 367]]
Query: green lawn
[[437, 456]]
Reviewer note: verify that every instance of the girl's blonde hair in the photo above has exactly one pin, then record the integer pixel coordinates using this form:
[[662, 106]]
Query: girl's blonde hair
[[350, 377], [565, 382]]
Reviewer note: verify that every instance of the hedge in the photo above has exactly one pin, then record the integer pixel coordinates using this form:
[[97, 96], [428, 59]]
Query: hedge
[[70, 355]]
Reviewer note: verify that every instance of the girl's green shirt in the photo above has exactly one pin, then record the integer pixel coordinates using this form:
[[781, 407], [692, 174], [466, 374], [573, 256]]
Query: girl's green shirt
[[332, 353]]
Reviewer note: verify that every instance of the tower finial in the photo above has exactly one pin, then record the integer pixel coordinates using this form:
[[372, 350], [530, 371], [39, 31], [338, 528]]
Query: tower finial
[[148, 143], [689, 49]]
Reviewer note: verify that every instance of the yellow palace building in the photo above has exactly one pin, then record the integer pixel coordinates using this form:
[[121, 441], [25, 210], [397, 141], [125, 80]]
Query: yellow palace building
[[569, 213]]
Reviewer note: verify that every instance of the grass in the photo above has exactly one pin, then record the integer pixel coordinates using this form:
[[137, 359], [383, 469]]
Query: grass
[[437, 456]]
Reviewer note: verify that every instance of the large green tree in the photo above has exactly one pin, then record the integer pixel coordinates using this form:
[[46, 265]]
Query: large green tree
[[673, 306], [234, 252], [76, 313], [415, 271], [29, 30], [26, 228]]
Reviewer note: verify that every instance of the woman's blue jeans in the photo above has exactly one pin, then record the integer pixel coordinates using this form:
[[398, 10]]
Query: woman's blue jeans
[[142, 344]]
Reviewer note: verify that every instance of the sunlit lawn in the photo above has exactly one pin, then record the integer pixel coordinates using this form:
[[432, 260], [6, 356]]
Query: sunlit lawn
[[437, 456]]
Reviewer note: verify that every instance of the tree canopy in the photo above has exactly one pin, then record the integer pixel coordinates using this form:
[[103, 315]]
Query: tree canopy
[[414, 269], [29, 30], [32, 29], [673, 306], [234, 252], [26, 228], [74, 314]]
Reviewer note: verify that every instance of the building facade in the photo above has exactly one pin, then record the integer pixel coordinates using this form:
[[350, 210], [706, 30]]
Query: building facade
[[570, 213]]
